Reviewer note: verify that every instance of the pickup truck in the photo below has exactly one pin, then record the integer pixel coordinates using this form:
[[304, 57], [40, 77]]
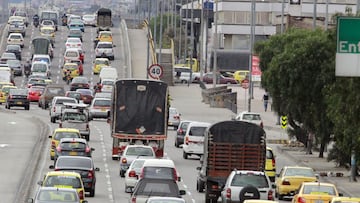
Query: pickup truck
[[76, 116]]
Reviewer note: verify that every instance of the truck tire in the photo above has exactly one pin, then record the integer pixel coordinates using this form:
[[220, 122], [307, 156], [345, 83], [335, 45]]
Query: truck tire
[[52, 119], [200, 186], [244, 193]]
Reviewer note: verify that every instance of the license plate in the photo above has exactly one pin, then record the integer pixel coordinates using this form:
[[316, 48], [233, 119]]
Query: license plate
[[80, 85], [103, 109], [18, 102], [319, 201], [73, 153]]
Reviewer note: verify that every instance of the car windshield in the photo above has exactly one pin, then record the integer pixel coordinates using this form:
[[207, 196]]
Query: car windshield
[[13, 63], [108, 82], [39, 68], [105, 62], [71, 54], [55, 91], [84, 92], [161, 188], [243, 180], [74, 116], [15, 37], [139, 151], [13, 48], [102, 102], [19, 91], [42, 59], [319, 189], [80, 80], [36, 80], [159, 172], [73, 40], [37, 89], [7, 89], [60, 135], [74, 162], [299, 172], [62, 101], [197, 131], [53, 181]]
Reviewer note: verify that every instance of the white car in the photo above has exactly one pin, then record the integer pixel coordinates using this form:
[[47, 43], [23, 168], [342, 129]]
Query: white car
[[56, 106], [47, 23], [40, 68], [107, 85], [174, 118], [250, 117], [100, 108], [73, 42], [240, 184], [105, 50], [42, 58], [194, 139], [16, 38], [89, 19], [71, 54], [133, 173]]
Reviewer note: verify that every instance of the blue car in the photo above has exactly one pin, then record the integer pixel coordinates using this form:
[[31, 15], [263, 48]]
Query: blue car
[[77, 25]]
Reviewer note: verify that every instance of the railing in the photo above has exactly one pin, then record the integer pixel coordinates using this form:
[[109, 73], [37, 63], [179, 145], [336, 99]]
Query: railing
[[127, 48]]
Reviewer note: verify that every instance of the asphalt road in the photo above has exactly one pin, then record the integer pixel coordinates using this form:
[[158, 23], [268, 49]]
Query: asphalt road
[[20, 131]]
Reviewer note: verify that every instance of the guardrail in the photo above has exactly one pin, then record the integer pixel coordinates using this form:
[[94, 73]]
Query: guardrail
[[127, 48]]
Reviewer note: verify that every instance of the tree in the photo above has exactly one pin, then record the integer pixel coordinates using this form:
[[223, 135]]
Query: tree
[[296, 67]]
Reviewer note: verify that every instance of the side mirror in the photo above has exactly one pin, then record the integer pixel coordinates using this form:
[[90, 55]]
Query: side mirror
[[182, 192], [40, 182], [341, 194], [30, 200], [114, 45], [50, 136], [277, 175], [273, 186], [97, 169], [51, 167], [179, 178], [198, 168], [92, 149], [108, 120]]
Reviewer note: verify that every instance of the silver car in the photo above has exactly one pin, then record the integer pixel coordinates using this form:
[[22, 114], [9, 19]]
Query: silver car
[[100, 108], [133, 152], [174, 117], [52, 194], [105, 50]]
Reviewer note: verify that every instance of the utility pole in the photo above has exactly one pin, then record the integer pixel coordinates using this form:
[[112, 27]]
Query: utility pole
[[202, 40], [192, 40], [314, 14], [148, 35], [252, 39], [282, 16], [186, 32], [327, 14], [161, 30], [155, 26], [215, 43]]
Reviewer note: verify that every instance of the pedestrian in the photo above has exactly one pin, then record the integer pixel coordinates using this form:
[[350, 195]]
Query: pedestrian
[[266, 100]]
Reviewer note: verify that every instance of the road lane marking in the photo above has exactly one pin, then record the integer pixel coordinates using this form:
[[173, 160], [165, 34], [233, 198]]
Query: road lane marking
[[4, 145]]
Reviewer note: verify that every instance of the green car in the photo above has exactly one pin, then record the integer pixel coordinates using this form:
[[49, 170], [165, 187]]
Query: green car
[[77, 33]]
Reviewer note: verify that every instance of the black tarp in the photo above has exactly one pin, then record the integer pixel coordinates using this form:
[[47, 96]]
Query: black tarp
[[236, 132], [104, 11], [139, 107], [40, 45]]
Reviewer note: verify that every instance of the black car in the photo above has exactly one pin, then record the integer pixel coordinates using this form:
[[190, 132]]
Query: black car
[[18, 97], [16, 49], [79, 83], [82, 165], [15, 66], [148, 187]]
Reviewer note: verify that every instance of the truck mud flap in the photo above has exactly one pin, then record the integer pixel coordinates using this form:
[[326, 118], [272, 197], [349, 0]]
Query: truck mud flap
[[213, 191]]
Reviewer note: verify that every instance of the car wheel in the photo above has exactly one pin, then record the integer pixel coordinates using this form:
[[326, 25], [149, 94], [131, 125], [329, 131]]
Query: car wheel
[[87, 138], [27, 107], [185, 155], [244, 193], [51, 158], [92, 192], [122, 173], [176, 144], [199, 186], [39, 104], [175, 127], [52, 119]]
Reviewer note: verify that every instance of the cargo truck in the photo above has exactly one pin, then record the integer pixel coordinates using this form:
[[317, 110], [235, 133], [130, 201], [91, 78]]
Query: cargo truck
[[104, 21], [138, 115], [229, 145]]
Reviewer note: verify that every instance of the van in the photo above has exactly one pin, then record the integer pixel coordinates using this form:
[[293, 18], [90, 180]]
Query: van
[[194, 139], [108, 72], [159, 169], [182, 75]]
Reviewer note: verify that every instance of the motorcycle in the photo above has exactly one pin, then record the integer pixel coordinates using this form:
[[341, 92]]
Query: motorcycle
[[27, 73], [36, 23], [64, 21]]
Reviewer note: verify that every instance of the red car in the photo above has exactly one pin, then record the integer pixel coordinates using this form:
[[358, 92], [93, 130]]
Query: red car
[[35, 92], [87, 95]]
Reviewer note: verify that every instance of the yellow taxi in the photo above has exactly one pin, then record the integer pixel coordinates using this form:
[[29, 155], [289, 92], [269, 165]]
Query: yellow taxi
[[5, 84], [316, 192], [4, 92], [270, 164], [105, 36], [48, 31], [240, 75], [73, 68], [61, 133], [64, 179], [290, 179], [99, 63], [345, 200]]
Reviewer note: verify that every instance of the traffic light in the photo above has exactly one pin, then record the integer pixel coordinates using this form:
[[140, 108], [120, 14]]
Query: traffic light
[[295, 2]]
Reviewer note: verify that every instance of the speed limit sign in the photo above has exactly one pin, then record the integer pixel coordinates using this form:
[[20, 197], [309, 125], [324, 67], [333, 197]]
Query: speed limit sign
[[155, 71]]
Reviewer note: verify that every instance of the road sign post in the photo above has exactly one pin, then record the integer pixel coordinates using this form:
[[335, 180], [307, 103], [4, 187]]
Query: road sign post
[[283, 122], [245, 84], [348, 47], [155, 71]]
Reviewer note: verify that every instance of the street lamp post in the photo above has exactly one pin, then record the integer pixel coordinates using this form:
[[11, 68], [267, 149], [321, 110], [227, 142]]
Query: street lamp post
[[215, 43], [252, 39]]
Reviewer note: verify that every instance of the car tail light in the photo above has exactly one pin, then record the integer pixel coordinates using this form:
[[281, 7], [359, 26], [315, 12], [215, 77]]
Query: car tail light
[[273, 162], [79, 45], [54, 109], [133, 199], [60, 125], [270, 195], [214, 187], [87, 126], [10, 97], [123, 160], [228, 193], [285, 182], [175, 174], [90, 174], [53, 144], [81, 195], [58, 149], [87, 150], [301, 200], [186, 140], [180, 131], [132, 174], [261, 125]]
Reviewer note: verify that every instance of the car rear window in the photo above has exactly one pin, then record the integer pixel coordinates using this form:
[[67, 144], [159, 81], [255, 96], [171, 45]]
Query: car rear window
[[62, 101], [60, 135], [197, 131], [316, 189], [159, 172], [73, 163], [77, 146], [269, 154], [243, 180], [53, 181], [299, 172], [56, 91], [105, 103], [139, 151], [251, 117], [104, 46], [158, 189], [72, 54]]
